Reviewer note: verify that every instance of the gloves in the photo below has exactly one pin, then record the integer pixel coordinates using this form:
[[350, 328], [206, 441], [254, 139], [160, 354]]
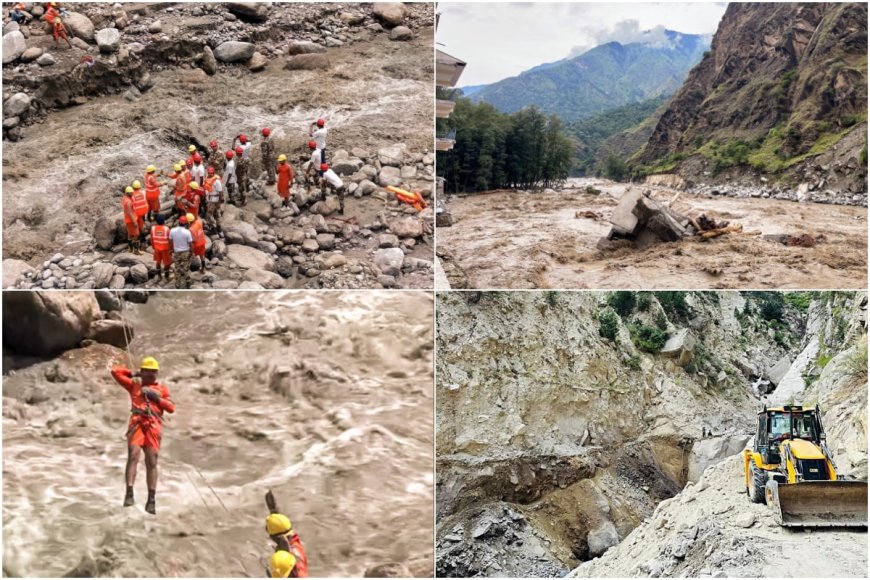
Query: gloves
[[151, 395]]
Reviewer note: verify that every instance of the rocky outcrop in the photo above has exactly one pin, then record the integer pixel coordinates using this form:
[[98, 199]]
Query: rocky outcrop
[[46, 323]]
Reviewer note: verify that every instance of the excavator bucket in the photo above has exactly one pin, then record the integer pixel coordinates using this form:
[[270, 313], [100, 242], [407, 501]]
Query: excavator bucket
[[819, 503]]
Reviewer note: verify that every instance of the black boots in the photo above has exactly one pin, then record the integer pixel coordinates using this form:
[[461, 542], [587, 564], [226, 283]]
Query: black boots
[[128, 498], [150, 506]]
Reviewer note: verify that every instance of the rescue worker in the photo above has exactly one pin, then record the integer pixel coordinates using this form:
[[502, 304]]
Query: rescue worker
[[160, 243], [230, 177], [314, 165], [318, 135], [242, 174], [267, 149], [131, 221], [152, 192], [180, 187], [140, 206], [197, 172], [198, 236], [191, 150], [180, 242], [331, 180], [214, 197], [51, 13], [216, 158], [285, 178], [58, 31], [18, 14], [283, 565], [149, 400], [281, 532], [192, 199]]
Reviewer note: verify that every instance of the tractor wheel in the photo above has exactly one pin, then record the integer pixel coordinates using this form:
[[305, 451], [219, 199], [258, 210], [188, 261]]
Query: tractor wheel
[[757, 483]]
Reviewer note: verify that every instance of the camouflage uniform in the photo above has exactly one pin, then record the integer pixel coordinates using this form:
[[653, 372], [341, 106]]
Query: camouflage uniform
[[325, 188], [217, 160], [267, 148], [242, 177], [181, 260]]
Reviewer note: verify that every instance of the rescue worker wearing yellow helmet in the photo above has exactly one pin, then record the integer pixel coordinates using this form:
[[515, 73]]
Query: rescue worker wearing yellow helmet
[[287, 542], [149, 400]]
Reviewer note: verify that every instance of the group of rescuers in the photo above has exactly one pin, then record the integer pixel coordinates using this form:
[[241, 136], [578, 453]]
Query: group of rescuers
[[149, 400], [200, 183]]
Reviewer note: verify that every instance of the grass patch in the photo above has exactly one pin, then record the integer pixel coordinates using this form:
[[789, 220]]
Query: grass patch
[[799, 300]]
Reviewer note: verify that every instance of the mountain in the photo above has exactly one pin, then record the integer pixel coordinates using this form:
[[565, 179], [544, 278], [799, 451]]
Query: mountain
[[607, 76], [471, 89], [782, 84]]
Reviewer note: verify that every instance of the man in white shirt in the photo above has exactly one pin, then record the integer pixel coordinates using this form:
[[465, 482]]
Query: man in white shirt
[[180, 242], [314, 165], [197, 172], [318, 135], [331, 180], [214, 197], [230, 180]]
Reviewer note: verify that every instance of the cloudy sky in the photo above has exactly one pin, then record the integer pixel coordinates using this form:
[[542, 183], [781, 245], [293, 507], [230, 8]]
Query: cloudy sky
[[502, 40]]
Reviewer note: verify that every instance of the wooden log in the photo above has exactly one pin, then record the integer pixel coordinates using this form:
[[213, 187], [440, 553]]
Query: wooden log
[[720, 232]]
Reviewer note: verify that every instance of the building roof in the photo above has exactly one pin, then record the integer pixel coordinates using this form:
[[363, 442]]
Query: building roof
[[448, 69]]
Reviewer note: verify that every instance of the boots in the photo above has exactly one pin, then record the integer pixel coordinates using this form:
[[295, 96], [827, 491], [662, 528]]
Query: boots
[[150, 505], [128, 497], [137, 247]]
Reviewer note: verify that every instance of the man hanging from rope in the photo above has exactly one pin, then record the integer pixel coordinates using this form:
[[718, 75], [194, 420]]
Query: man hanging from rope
[[149, 400]]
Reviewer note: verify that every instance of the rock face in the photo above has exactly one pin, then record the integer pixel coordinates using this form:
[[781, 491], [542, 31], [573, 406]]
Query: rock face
[[602, 538], [389, 13], [115, 332], [109, 40], [389, 261], [254, 11], [307, 62], [80, 26], [14, 46], [13, 270], [790, 86], [234, 51], [46, 323]]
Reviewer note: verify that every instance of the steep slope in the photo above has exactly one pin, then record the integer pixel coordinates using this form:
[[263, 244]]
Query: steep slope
[[605, 77], [555, 442], [782, 84]]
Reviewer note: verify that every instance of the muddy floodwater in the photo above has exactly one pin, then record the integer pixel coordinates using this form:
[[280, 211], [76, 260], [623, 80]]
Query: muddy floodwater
[[508, 239], [326, 398]]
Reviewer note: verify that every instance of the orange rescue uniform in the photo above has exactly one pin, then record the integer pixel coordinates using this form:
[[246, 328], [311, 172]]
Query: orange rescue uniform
[[198, 238], [285, 178], [130, 218], [160, 243], [140, 206], [146, 418], [152, 192]]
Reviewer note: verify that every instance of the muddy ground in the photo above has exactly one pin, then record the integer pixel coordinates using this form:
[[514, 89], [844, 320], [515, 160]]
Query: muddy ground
[[508, 239], [325, 398], [69, 167]]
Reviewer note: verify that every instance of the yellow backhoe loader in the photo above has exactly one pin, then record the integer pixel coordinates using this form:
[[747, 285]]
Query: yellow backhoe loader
[[790, 468]]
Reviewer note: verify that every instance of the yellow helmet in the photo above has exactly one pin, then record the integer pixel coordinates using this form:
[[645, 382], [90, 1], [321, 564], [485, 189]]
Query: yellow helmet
[[282, 157], [282, 564], [58, 20], [194, 185], [277, 524], [192, 148], [150, 169], [137, 185], [190, 218], [149, 363], [176, 167], [128, 189]]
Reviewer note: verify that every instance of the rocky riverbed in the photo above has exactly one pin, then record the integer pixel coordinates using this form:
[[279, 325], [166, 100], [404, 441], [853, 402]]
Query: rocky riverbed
[[369, 76]]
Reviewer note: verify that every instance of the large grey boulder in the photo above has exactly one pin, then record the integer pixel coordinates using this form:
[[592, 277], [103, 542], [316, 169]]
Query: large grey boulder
[[103, 272], [106, 233], [401, 33], [247, 257], [680, 346], [31, 54], [707, 452], [79, 26], [394, 155], [390, 176], [41, 323], [601, 538], [234, 51], [115, 332], [269, 280], [255, 11], [209, 62], [389, 13], [407, 227], [304, 47], [241, 233], [109, 40], [389, 261], [14, 46], [13, 270], [16, 105]]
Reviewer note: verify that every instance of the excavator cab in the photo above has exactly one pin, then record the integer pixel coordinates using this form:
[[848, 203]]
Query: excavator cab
[[790, 468]]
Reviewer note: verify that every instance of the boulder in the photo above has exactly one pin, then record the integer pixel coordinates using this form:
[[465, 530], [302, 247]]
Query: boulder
[[129, 259], [409, 172], [108, 301], [139, 274], [776, 373], [707, 452], [351, 18], [109, 40], [304, 47], [155, 27], [269, 280], [103, 272], [11, 122], [240, 232], [14, 46], [47, 323], [31, 54], [257, 62], [105, 233], [366, 187], [115, 332], [16, 105], [79, 26], [284, 266], [602, 538], [390, 176], [307, 62], [136, 296], [389, 261], [325, 241], [209, 62], [623, 219], [247, 257], [328, 206], [330, 261], [46, 59], [254, 11], [118, 282], [680, 346], [388, 241], [346, 166], [234, 51], [407, 227], [13, 270], [389, 13], [310, 245], [401, 33], [394, 155]]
